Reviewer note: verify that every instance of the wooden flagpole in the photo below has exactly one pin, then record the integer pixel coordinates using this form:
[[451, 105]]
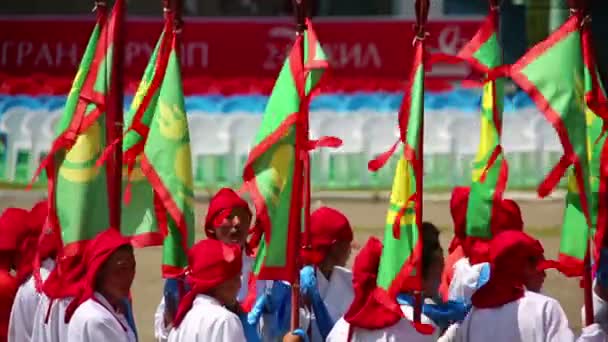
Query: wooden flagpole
[[299, 8], [114, 118]]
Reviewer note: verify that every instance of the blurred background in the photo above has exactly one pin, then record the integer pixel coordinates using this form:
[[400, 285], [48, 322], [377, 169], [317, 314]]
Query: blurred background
[[232, 52]]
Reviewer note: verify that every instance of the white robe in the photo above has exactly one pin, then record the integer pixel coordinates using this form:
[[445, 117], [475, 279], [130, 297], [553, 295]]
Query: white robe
[[532, 318], [208, 321], [53, 330], [161, 332], [95, 320], [466, 280], [337, 294], [25, 305], [401, 331]]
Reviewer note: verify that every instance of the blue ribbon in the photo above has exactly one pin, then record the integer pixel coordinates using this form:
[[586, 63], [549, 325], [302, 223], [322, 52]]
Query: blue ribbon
[[443, 314], [602, 268], [251, 332], [309, 289], [129, 316], [302, 334]]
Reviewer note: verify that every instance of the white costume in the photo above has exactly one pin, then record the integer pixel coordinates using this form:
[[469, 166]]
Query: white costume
[[401, 331], [95, 320], [337, 294], [532, 318], [25, 305], [161, 332], [49, 319], [467, 279], [209, 321]]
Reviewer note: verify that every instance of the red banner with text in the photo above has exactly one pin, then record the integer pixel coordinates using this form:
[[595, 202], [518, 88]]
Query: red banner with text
[[234, 48]]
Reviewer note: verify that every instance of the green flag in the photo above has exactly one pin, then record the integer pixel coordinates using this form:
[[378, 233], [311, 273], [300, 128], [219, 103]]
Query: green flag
[[489, 177], [560, 97], [269, 171], [158, 162], [596, 111], [77, 187], [401, 261]]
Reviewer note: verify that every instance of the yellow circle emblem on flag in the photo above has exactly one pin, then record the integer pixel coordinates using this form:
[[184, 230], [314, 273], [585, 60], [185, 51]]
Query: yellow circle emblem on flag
[[172, 122], [81, 158], [183, 165], [279, 166]]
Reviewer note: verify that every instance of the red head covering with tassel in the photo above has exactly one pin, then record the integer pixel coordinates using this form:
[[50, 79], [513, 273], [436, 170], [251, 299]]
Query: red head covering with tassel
[[220, 207], [372, 308], [327, 226], [13, 224], [37, 242], [98, 251], [509, 251], [210, 263]]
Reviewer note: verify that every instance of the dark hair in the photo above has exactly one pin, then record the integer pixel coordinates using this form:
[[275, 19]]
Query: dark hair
[[430, 245]]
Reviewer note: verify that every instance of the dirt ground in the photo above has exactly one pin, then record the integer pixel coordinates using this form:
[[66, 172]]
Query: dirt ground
[[367, 216]]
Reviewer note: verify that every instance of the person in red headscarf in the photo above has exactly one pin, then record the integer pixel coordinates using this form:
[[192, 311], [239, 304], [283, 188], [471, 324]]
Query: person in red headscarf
[[37, 246], [503, 310], [373, 315], [98, 311], [207, 311], [228, 220], [12, 225], [331, 237], [469, 255]]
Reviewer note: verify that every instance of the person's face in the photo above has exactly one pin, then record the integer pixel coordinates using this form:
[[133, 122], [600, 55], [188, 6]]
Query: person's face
[[533, 277], [227, 291], [235, 227], [339, 253], [117, 273], [7, 260], [432, 280]]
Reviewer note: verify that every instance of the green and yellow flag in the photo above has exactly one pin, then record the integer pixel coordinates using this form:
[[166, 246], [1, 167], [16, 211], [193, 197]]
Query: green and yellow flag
[[561, 98], [77, 187], [401, 261], [158, 166], [490, 171], [269, 170]]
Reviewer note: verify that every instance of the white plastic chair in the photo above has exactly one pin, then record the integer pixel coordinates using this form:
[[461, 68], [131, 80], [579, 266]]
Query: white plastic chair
[[519, 141], [465, 130], [380, 132], [349, 128], [548, 145], [209, 136], [439, 148], [18, 138], [242, 131], [43, 135]]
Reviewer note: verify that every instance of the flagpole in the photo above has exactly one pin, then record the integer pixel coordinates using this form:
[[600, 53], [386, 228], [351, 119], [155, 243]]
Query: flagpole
[[114, 119], [581, 6], [422, 10], [299, 8]]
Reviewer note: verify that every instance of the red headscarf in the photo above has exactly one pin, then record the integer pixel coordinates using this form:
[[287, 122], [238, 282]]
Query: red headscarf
[[458, 209], [96, 254], [8, 290], [220, 206], [510, 251], [13, 224], [210, 263], [505, 216], [372, 308], [327, 226], [35, 241]]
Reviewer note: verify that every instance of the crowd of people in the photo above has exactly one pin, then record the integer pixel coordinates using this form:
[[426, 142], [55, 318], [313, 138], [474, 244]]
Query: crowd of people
[[484, 290]]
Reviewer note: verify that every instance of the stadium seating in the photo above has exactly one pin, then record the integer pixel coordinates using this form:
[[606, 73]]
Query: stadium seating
[[223, 129]]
